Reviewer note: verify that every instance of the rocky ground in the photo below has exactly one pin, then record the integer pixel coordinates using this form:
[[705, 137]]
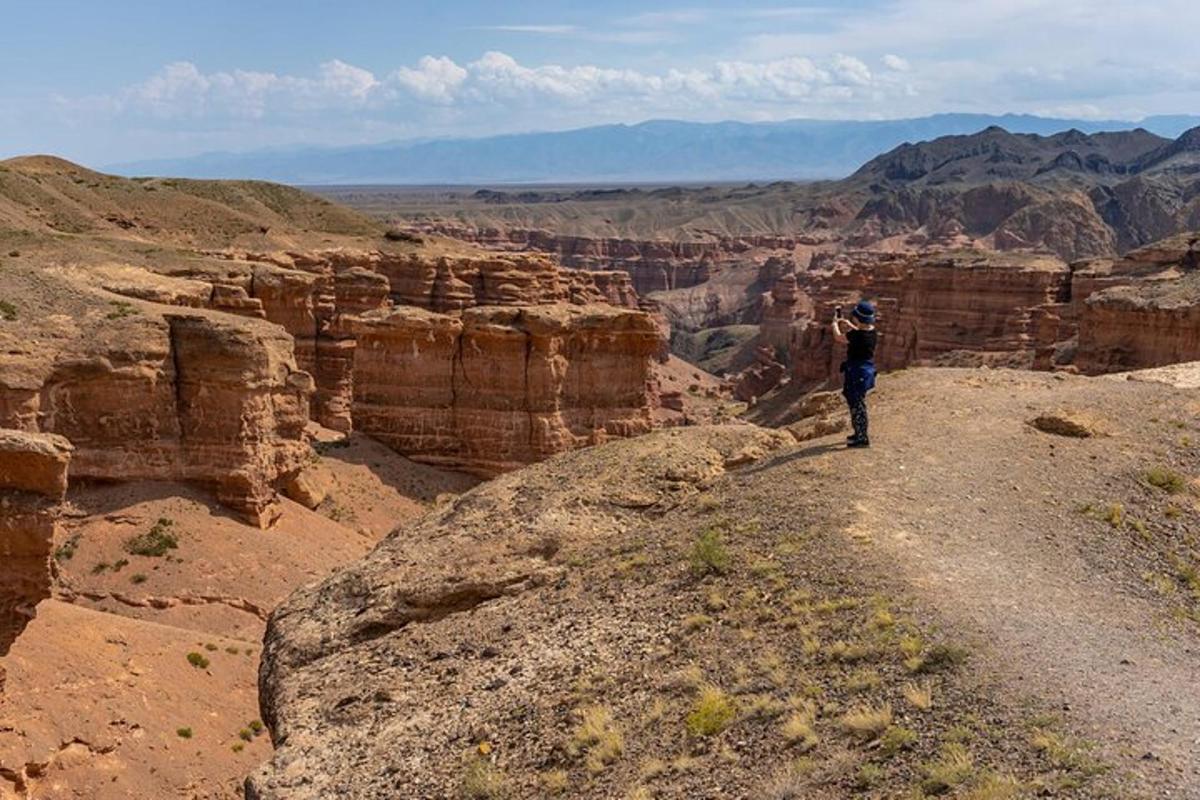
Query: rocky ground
[[978, 606]]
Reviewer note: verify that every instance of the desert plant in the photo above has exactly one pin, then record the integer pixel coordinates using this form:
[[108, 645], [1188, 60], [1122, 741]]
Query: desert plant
[[599, 737], [919, 696], [482, 781], [66, 550], [120, 310], [798, 730], [712, 712], [709, 555], [867, 722], [941, 657], [183, 733], [137, 577], [1165, 479], [895, 739], [155, 542], [197, 660], [8, 312], [953, 767]]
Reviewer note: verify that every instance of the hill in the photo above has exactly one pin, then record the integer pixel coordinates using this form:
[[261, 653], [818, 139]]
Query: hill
[[664, 151]]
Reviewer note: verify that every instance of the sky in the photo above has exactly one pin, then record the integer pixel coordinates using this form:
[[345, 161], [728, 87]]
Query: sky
[[118, 80]]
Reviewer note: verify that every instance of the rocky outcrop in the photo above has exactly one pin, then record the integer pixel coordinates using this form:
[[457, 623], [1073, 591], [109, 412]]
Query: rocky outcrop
[[194, 396], [1143, 310], [494, 388], [358, 704], [33, 480]]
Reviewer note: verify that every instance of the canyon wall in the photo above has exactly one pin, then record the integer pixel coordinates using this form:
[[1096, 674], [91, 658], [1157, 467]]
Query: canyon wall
[[191, 396], [1143, 310], [33, 480], [494, 388]]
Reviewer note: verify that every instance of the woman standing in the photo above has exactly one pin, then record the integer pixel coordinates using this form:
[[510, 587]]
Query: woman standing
[[858, 370]]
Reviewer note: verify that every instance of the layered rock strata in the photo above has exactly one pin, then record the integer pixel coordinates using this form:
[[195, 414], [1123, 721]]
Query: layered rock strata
[[196, 397], [494, 388], [33, 480]]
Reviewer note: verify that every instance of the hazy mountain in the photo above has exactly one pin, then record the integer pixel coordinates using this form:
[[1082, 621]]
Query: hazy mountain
[[654, 151]]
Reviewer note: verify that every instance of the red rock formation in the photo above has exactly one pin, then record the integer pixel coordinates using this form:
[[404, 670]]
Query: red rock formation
[[935, 307], [186, 396], [760, 378], [498, 387], [33, 480]]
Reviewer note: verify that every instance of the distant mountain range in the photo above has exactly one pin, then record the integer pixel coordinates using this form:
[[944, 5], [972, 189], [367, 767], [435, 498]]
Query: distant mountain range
[[659, 151]]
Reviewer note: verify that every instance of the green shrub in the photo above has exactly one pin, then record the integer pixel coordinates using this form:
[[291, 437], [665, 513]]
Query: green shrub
[[155, 542], [1166, 479], [712, 713], [66, 550], [197, 660], [709, 555], [183, 733], [8, 312]]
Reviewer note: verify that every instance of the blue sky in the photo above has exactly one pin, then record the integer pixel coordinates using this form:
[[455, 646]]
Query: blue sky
[[123, 79]]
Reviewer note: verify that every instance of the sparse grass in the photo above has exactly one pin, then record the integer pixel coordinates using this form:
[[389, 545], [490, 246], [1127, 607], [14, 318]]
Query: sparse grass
[[868, 776], [120, 564], [867, 722], [695, 622], [210, 647], [994, 787], [255, 726], [8, 312], [137, 577], [183, 733], [863, 680], [483, 781], [155, 542], [1114, 515], [707, 503], [919, 696], [197, 660], [238, 747], [712, 712], [120, 310], [953, 767], [895, 739], [555, 782], [102, 566], [939, 658], [598, 737], [246, 735], [1164, 478], [66, 550], [1064, 752], [798, 729], [709, 556]]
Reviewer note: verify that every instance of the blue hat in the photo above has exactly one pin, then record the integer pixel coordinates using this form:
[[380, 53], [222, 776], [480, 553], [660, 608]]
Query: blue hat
[[864, 312]]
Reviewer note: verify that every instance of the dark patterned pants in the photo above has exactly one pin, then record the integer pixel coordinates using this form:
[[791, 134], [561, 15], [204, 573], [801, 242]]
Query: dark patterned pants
[[858, 415]]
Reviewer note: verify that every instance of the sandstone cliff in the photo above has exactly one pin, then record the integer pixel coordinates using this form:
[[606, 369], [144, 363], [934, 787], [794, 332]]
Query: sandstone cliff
[[33, 480], [144, 392], [497, 387]]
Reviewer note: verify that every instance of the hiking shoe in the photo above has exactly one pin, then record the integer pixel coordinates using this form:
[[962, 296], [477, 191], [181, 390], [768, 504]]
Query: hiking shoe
[[858, 443]]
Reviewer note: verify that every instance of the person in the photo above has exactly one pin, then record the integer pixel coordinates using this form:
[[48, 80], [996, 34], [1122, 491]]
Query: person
[[858, 370]]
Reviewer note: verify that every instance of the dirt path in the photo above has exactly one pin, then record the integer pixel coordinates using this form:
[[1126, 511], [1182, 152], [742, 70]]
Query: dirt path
[[978, 514]]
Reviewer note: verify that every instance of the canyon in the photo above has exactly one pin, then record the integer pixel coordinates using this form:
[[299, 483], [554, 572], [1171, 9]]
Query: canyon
[[237, 375], [240, 422]]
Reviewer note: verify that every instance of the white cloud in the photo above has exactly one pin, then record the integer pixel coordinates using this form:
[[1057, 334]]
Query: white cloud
[[181, 90], [896, 63]]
